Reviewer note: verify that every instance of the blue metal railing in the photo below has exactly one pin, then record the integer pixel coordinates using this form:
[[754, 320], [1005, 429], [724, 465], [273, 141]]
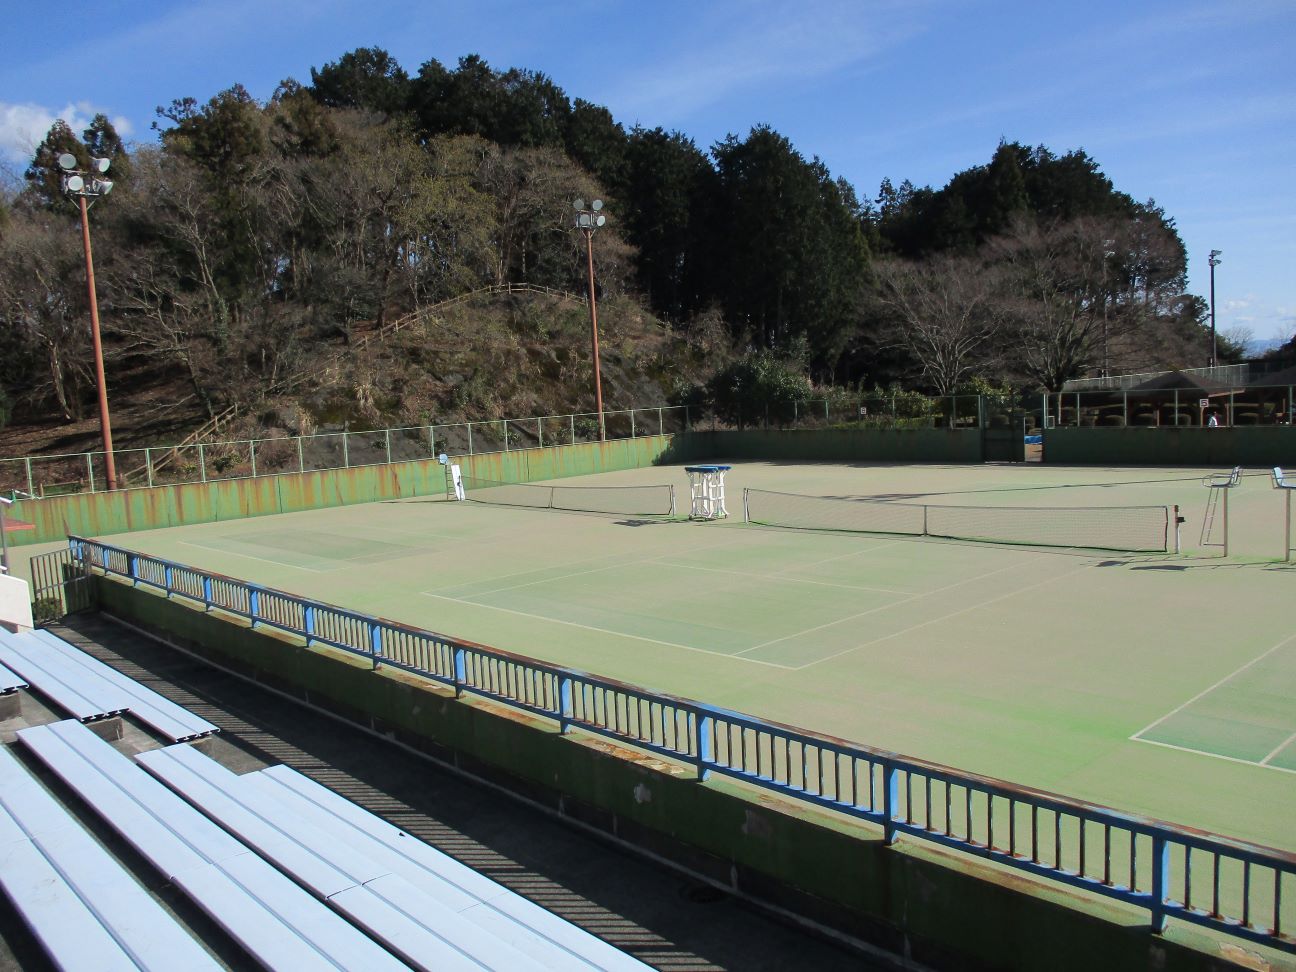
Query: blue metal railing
[[1231, 886]]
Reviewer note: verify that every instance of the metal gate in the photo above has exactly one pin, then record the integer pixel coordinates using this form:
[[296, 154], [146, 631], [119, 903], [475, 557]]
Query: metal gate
[[1003, 436], [60, 586]]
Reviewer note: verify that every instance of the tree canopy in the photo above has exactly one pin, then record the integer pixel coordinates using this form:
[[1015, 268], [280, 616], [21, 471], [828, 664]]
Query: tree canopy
[[251, 230]]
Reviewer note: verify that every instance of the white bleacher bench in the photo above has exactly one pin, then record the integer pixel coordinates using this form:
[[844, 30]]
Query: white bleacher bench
[[498, 928], [9, 681], [88, 689], [277, 922], [62, 682], [506, 914], [84, 908]]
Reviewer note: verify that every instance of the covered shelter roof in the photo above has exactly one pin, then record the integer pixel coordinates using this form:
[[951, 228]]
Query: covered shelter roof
[[1178, 380]]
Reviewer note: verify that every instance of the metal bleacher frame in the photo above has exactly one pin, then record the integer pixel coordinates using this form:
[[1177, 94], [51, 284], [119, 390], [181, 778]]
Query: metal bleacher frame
[[10, 681], [277, 922], [83, 907]]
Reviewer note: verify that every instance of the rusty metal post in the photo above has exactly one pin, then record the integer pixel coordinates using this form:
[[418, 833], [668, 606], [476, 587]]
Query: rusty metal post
[[105, 425], [593, 308]]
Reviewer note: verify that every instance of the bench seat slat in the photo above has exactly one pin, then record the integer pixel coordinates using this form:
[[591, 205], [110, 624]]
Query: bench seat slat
[[139, 931], [174, 721], [407, 920], [506, 914], [54, 678], [56, 915]]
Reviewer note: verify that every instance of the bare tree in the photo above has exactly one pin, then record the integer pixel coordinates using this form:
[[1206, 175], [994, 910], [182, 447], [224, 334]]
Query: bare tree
[[1087, 293], [945, 312], [43, 301]]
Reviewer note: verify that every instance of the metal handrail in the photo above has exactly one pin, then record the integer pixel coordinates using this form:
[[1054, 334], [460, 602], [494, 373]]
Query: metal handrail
[[1161, 867]]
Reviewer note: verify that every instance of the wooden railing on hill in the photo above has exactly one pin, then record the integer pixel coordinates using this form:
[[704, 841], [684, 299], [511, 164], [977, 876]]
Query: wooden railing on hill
[[494, 290], [209, 427]]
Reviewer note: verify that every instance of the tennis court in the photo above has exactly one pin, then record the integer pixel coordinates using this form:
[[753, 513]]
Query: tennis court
[[1157, 683]]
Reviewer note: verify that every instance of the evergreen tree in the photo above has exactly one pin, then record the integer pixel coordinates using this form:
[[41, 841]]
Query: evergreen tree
[[367, 78]]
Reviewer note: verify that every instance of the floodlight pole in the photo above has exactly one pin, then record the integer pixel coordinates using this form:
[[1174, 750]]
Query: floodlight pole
[[105, 424], [587, 221], [1214, 262], [76, 183]]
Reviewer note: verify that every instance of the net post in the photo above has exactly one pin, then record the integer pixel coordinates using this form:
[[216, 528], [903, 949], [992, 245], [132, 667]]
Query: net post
[[1178, 523], [924, 533], [746, 511], [1287, 532], [672, 500]]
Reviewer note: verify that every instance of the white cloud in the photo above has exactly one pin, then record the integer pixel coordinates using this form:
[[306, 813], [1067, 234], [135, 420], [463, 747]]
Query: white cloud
[[23, 126]]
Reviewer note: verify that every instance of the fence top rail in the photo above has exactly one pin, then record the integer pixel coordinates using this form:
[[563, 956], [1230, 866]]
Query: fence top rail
[[175, 447], [1198, 839]]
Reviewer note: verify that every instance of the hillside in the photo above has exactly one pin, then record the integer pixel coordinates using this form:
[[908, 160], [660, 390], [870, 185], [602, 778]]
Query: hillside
[[486, 357]]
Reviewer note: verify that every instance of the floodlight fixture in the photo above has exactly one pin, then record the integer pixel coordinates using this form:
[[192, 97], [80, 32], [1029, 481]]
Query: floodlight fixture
[[596, 205], [67, 161], [74, 183], [100, 165], [578, 205]]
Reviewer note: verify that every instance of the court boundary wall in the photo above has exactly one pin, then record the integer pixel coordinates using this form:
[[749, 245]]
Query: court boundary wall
[[912, 899], [841, 445], [1169, 446], [152, 507]]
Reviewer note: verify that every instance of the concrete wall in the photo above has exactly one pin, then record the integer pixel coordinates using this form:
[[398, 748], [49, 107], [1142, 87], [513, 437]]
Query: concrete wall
[[843, 445], [911, 898], [1261, 446], [147, 508]]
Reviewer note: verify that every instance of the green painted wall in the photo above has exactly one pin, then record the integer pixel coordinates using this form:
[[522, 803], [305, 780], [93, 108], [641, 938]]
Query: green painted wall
[[876, 445], [102, 514], [1185, 446], [913, 899]]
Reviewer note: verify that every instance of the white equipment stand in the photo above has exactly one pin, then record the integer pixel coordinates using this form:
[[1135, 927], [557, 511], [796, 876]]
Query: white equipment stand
[[706, 492], [1288, 487]]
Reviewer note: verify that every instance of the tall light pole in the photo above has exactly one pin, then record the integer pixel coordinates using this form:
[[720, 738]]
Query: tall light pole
[[87, 188], [587, 221], [1108, 253], [1214, 262]]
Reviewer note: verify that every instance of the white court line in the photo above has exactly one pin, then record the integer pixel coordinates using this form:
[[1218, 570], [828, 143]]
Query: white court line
[[887, 607], [572, 563], [609, 631], [1203, 752], [1277, 749], [1206, 691], [264, 560], [782, 575]]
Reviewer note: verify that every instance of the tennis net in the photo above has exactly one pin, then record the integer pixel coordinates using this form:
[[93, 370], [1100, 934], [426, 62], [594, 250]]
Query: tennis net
[[1130, 529], [624, 500]]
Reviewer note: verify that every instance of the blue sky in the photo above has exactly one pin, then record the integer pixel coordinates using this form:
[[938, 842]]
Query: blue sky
[[1191, 103]]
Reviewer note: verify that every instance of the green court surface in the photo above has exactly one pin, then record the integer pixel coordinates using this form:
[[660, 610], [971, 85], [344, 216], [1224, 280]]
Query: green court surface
[[1161, 684]]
